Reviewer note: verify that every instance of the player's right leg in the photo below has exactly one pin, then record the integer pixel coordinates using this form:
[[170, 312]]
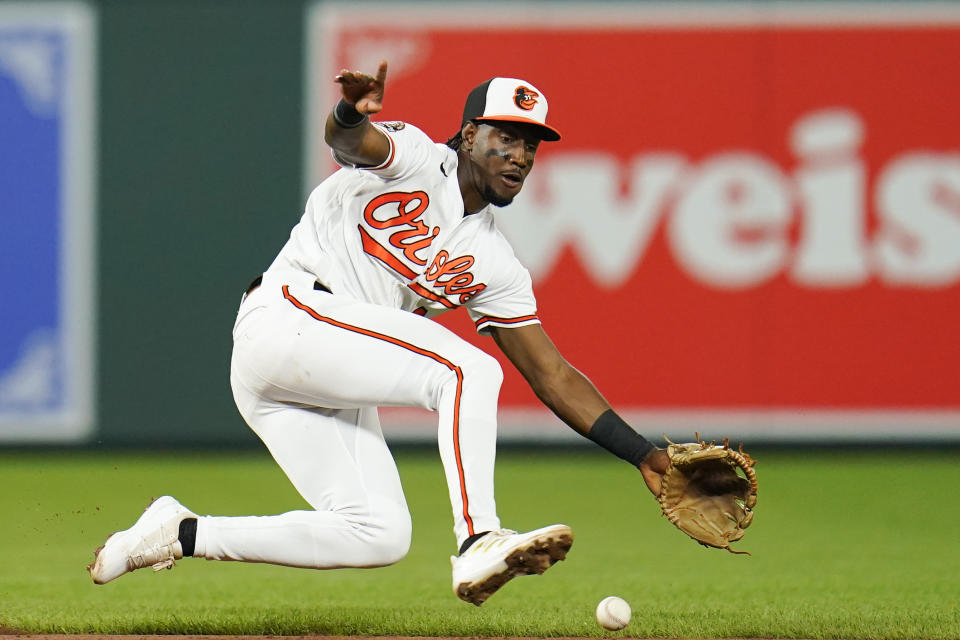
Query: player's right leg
[[336, 459], [339, 463]]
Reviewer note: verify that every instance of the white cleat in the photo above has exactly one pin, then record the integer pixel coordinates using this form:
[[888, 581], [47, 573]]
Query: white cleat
[[151, 541], [503, 555]]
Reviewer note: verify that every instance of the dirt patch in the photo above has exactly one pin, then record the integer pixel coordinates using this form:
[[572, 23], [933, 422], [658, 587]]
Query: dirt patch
[[6, 631], [33, 636]]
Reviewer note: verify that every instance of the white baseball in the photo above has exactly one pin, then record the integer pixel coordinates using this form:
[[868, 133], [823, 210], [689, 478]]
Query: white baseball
[[613, 613]]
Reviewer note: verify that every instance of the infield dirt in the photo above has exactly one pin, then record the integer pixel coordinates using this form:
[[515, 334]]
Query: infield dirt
[[9, 632]]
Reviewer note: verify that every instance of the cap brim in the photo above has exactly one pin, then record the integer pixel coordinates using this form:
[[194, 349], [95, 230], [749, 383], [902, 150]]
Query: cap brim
[[546, 132]]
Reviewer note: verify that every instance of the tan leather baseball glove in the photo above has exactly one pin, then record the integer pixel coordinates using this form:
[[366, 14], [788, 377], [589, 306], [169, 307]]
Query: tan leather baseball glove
[[704, 494]]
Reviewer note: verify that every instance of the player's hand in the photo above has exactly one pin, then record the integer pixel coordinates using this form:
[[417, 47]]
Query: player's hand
[[363, 91], [652, 469]]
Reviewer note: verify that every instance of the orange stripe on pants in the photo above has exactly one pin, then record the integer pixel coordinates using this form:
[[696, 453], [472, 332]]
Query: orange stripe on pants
[[423, 352]]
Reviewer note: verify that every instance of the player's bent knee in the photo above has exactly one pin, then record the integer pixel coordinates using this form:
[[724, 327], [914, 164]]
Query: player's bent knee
[[393, 550], [482, 366], [396, 537], [478, 372], [387, 538]]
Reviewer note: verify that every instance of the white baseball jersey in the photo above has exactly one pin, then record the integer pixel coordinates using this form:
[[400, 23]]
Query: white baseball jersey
[[309, 369], [396, 235]]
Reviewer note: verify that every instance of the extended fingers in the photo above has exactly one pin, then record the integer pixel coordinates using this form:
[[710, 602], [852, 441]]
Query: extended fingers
[[346, 76], [363, 90], [382, 73]]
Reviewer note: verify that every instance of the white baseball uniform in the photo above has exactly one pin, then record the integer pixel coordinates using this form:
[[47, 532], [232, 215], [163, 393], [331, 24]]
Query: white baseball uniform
[[310, 367]]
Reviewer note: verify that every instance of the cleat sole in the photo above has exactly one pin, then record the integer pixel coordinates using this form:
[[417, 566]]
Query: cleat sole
[[535, 558]]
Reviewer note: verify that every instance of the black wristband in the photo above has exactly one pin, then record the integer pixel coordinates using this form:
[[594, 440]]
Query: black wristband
[[346, 115], [617, 437]]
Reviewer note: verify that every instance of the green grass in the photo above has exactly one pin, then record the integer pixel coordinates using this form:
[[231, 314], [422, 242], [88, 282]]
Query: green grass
[[844, 546]]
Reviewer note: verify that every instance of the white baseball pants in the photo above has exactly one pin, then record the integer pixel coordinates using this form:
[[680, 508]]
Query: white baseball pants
[[309, 370]]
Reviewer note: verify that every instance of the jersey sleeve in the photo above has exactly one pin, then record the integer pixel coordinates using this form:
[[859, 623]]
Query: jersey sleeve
[[410, 149], [508, 300]]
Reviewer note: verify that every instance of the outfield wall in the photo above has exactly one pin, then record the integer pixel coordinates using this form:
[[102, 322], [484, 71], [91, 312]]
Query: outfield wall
[[751, 226]]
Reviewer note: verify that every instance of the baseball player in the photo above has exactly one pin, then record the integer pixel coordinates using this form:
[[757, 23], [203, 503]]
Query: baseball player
[[339, 325]]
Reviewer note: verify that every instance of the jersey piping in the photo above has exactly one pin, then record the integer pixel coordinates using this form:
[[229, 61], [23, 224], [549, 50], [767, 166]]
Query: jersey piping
[[486, 321]]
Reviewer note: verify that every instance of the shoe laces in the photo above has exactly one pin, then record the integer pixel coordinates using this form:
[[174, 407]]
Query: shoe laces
[[160, 556], [491, 540]]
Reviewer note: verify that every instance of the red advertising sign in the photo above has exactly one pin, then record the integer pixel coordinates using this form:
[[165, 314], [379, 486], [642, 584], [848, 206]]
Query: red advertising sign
[[753, 218]]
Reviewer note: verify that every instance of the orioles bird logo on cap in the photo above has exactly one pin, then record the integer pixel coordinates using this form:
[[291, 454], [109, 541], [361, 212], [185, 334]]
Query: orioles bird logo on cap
[[525, 98]]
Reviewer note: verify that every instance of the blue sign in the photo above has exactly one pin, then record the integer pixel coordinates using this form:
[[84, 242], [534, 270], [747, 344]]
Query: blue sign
[[47, 266]]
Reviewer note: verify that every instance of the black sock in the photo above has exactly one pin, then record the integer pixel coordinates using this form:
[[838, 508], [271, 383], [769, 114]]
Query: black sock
[[188, 536], [469, 541]]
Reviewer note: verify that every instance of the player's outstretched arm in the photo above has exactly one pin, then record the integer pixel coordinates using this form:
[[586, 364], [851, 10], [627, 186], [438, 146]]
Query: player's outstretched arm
[[348, 129], [576, 401]]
